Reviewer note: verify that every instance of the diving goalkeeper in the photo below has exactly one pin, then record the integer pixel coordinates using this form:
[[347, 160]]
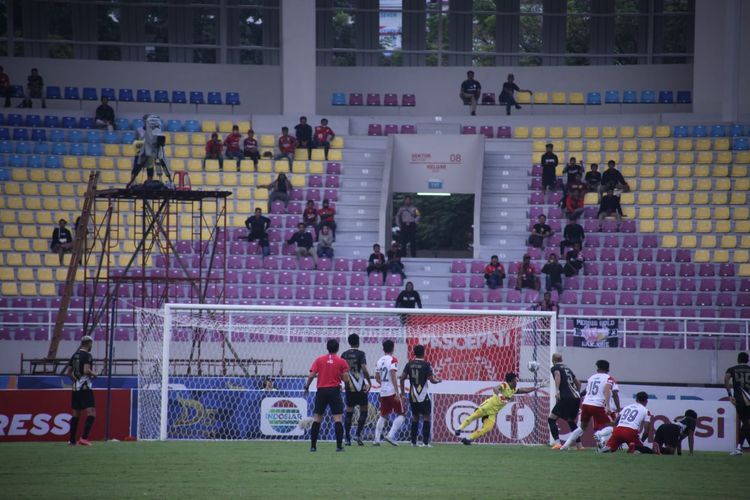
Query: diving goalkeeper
[[491, 406]]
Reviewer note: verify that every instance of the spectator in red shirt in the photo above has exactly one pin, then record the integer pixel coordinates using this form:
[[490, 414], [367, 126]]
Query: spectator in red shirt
[[5, 89], [310, 216], [574, 200], [214, 147], [322, 136], [494, 273], [287, 145], [327, 214], [331, 370], [250, 148], [232, 148], [527, 277]]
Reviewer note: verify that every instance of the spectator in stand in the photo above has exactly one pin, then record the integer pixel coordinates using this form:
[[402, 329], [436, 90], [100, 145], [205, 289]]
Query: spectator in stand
[[554, 272], [547, 304], [394, 264], [494, 273], [572, 234], [250, 148], [327, 214], [507, 94], [214, 148], [304, 134], [376, 262], [105, 115], [407, 218], [408, 298], [527, 277], [471, 89], [610, 207], [304, 242], [62, 240], [574, 261], [287, 145], [35, 86], [232, 148], [539, 231], [613, 179], [6, 90], [279, 190], [574, 199], [258, 226], [310, 216], [593, 178], [573, 169], [323, 136], [549, 164], [325, 243]]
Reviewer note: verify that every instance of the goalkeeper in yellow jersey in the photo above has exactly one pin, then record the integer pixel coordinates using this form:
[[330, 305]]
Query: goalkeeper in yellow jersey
[[491, 406]]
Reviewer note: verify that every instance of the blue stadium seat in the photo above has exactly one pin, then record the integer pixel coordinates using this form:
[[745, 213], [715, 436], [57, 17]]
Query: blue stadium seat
[[52, 121], [122, 123], [109, 93], [125, 95], [232, 99], [192, 126], [338, 99], [111, 138], [684, 97], [161, 96], [717, 130], [94, 149], [69, 122], [20, 134], [196, 97], [173, 125], [53, 92], [680, 131], [143, 95], [4, 174], [14, 120], [4, 134], [593, 99], [648, 97], [71, 93], [3, 161], [34, 161], [89, 94], [136, 123], [94, 136], [741, 144], [6, 147], [59, 148], [179, 97], [700, 131], [17, 161], [56, 135], [38, 134], [75, 136], [33, 121], [86, 122], [127, 137], [52, 162], [666, 97], [214, 98], [41, 148], [630, 97], [76, 149], [23, 148], [17, 91], [736, 130]]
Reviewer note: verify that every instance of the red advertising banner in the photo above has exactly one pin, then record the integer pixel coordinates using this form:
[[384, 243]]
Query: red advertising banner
[[44, 415]]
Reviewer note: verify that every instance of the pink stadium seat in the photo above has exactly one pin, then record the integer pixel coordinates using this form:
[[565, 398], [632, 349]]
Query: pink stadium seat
[[609, 284], [325, 264], [356, 99], [726, 269], [494, 296], [375, 279], [408, 100], [391, 293], [706, 270], [468, 130], [359, 265], [687, 270], [477, 267], [338, 294], [745, 285], [358, 279], [487, 131], [304, 278], [456, 296], [668, 269], [648, 269], [476, 296], [513, 297], [536, 170], [743, 300], [668, 285], [393, 280], [373, 99], [356, 293], [390, 100], [391, 129], [458, 266], [408, 129], [607, 299], [375, 129], [629, 284], [302, 293], [607, 255], [503, 133]]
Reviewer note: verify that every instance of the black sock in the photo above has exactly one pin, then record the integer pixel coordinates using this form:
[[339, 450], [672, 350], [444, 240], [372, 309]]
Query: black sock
[[644, 449], [426, 426], [573, 427], [339, 433], [314, 431], [414, 429], [73, 429], [362, 420], [87, 426], [553, 428], [348, 417]]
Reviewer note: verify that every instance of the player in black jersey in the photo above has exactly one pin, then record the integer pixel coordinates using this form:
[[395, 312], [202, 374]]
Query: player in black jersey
[[567, 398], [737, 383], [419, 373], [79, 369], [668, 437], [356, 390]]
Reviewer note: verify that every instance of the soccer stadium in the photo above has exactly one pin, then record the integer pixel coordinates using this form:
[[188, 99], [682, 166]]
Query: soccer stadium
[[374, 248]]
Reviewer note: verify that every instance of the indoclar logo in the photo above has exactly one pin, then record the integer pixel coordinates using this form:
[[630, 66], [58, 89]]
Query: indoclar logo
[[281, 416]]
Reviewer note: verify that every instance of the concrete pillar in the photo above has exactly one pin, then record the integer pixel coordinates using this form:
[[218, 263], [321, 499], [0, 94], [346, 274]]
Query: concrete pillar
[[298, 78]]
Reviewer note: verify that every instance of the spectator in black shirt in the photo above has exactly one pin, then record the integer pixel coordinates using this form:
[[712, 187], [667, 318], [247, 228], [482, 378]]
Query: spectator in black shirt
[[540, 231], [35, 86], [376, 262], [593, 178], [574, 261], [506, 96], [554, 272], [280, 189], [610, 207], [304, 133], [549, 164], [62, 240], [6, 90], [613, 179], [258, 227], [409, 298], [304, 241], [394, 265], [547, 304], [572, 234], [573, 169], [105, 115], [470, 91]]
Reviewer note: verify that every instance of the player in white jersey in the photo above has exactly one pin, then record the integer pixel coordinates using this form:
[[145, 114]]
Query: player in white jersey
[[632, 419], [390, 399], [595, 403]]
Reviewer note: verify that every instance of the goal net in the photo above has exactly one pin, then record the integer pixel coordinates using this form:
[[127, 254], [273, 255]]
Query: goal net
[[238, 372]]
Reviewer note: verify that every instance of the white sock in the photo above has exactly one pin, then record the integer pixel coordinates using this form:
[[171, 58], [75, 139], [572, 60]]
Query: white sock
[[605, 433], [379, 428], [573, 436], [396, 426], [739, 446]]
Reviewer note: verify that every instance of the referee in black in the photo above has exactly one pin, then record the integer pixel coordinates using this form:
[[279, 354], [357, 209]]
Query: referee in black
[[567, 398], [80, 371]]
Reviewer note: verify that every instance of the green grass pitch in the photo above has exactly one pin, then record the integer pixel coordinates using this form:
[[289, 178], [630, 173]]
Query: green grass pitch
[[288, 470]]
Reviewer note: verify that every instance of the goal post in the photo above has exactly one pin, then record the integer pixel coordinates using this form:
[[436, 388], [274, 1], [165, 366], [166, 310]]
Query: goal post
[[237, 372]]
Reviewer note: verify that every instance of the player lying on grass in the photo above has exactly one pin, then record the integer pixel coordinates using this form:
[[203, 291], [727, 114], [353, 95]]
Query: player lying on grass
[[632, 419], [491, 406], [668, 437], [420, 376]]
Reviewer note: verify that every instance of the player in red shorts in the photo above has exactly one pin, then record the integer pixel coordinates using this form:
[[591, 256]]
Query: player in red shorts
[[390, 400], [598, 391], [631, 420]]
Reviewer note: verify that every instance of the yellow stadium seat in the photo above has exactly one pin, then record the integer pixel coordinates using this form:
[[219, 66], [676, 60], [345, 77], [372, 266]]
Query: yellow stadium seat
[[211, 165], [247, 166], [575, 145], [665, 171], [666, 145], [722, 226], [540, 98], [609, 132], [112, 149], [684, 226], [300, 154], [680, 171], [740, 213], [538, 132], [593, 158], [719, 198], [181, 139], [665, 212], [574, 98], [559, 146], [666, 185], [703, 226], [645, 184], [686, 158], [299, 167], [742, 157], [739, 184], [9, 288], [182, 152], [50, 204], [70, 161], [613, 156], [297, 181], [593, 146], [591, 199], [19, 174], [265, 166], [244, 125], [684, 144], [698, 198], [688, 241], [521, 132], [646, 212], [722, 184], [663, 131], [721, 256], [644, 171], [196, 151], [574, 132], [627, 132], [263, 180], [197, 139], [628, 171], [741, 256], [738, 199], [225, 127], [318, 155], [737, 170], [11, 231], [630, 158], [261, 194], [591, 133], [745, 241], [106, 163], [645, 198], [244, 192], [627, 198], [213, 178], [647, 226], [556, 132], [30, 189], [9, 217], [723, 158], [702, 213], [611, 144], [663, 198], [648, 158], [648, 145], [40, 245], [316, 167], [645, 131], [28, 289], [281, 166], [47, 290], [702, 144], [701, 256], [37, 175], [629, 212], [708, 240], [25, 274], [630, 145], [666, 226], [128, 150], [51, 189], [43, 218], [208, 126], [523, 98], [667, 158], [88, 162], [267, 140], [538, 146], [194, 165]]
